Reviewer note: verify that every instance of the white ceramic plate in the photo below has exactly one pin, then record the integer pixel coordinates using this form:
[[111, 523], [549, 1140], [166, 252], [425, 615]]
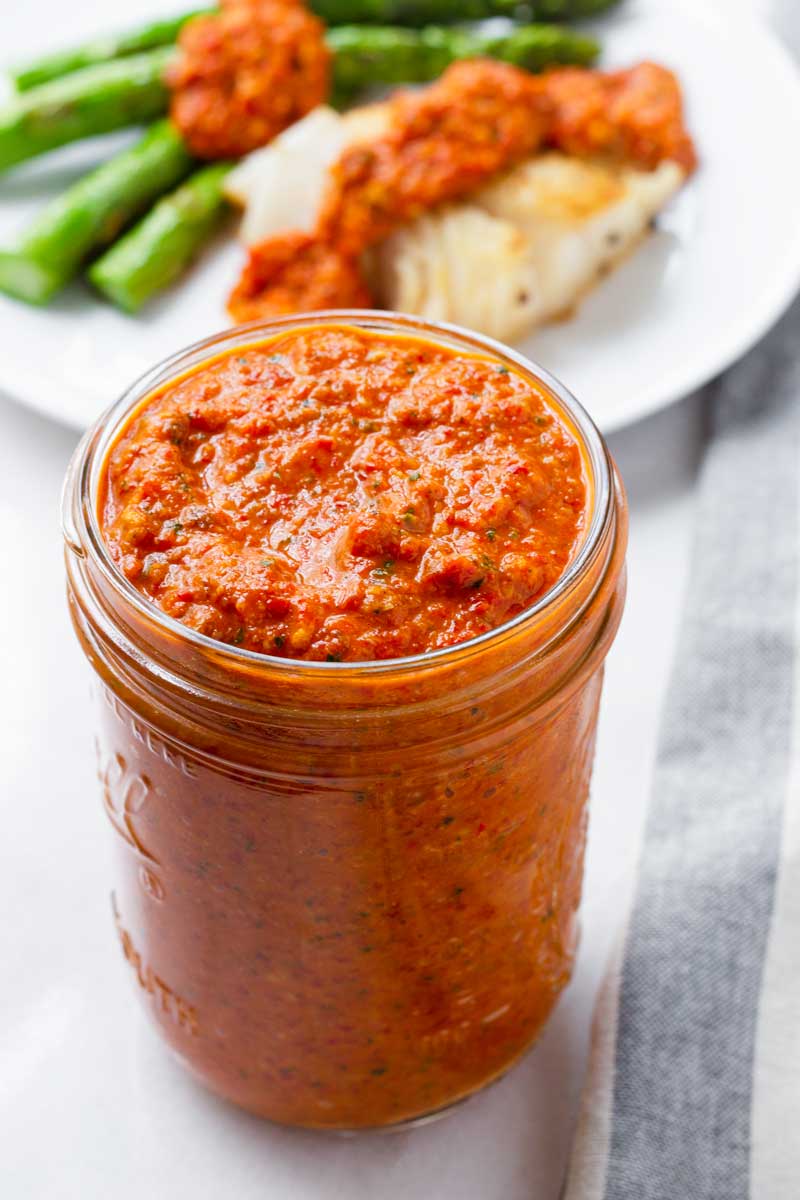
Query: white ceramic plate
[[723, 265]]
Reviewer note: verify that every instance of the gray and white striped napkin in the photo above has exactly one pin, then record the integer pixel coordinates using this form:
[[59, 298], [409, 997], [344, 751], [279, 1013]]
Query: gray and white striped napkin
[[693, 1091]]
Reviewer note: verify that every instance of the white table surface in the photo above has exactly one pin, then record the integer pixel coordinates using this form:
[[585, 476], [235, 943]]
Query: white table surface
[[90, 1105]]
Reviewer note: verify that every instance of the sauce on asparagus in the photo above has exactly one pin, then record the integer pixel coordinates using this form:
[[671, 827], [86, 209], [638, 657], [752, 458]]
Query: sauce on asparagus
[[246, 73]]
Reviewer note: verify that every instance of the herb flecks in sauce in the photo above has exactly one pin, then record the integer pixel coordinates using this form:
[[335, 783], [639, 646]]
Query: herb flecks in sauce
[[275, 498]]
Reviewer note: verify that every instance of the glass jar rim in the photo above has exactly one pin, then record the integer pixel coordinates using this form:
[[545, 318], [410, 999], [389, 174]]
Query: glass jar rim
[[83, 479]]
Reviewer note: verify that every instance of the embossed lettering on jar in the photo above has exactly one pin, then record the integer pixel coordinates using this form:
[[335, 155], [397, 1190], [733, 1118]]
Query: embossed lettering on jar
[[347, 890]]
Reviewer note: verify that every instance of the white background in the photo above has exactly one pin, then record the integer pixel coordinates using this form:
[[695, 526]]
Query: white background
[[90, 1106]]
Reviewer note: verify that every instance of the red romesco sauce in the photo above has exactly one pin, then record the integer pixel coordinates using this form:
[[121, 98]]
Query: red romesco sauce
[[440, 144], [244, 74], [338, 495]]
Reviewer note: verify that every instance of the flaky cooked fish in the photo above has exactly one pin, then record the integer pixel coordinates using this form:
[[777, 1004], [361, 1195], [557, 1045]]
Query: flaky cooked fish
[[521, 251], [525, 249]]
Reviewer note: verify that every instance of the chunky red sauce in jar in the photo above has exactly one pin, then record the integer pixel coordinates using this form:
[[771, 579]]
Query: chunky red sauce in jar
[[347, 891], [342, 495]]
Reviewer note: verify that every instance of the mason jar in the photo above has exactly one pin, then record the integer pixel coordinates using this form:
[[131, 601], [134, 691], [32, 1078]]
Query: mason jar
[[347, 891]]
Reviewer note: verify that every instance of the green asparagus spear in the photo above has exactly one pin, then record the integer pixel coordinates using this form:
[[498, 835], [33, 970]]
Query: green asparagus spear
[[99, 50], [91, 214], [444, 12], [367, 56], [97, 100], [335, 12], [131, 90], [156, 251]]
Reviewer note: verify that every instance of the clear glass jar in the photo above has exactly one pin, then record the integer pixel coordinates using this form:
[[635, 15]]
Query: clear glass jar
[[347, 892]]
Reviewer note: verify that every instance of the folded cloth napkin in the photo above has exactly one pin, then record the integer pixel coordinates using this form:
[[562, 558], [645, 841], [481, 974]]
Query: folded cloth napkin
[[693, 1090]]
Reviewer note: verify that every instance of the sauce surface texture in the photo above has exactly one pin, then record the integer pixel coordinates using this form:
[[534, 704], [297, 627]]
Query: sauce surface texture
[[339, 495]]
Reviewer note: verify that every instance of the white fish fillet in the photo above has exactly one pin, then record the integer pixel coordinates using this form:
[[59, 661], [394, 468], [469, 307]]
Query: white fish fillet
[[521, 251], [281, 185], [367, 122], [463, 265], [525, 249]]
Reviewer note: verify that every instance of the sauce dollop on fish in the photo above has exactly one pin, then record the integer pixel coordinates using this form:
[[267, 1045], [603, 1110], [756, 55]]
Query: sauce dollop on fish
[[444, 143]]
